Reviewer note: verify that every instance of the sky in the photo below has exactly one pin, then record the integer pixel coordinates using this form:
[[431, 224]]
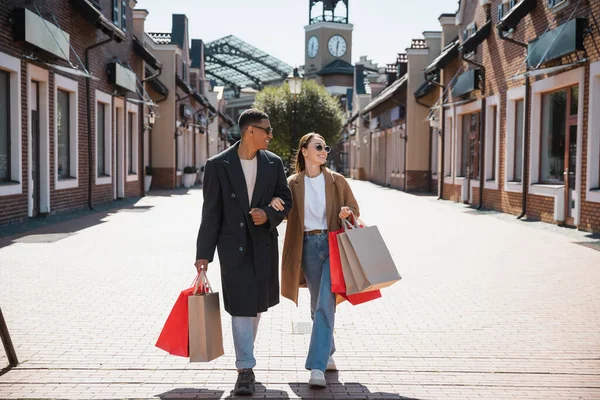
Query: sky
[[382, 28]]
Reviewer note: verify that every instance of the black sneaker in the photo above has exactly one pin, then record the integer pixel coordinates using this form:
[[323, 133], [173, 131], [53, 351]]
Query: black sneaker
[[245, 383]]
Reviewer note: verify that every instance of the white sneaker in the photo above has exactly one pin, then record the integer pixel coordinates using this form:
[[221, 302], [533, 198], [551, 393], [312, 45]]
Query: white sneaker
[[317, 378], [331, 365]]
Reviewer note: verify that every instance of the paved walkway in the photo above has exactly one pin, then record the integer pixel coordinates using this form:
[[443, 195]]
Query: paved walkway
[[489, 308]]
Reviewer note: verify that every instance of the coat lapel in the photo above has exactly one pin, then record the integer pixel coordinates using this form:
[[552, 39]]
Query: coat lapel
[[329, 200], [233, 166], [262, 169]]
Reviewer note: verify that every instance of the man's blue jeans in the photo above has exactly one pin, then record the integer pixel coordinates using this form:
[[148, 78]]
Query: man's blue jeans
[[315, 264], [244, 334]]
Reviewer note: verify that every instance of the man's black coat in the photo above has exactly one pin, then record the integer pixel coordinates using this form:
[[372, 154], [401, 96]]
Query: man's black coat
[[248, 253]]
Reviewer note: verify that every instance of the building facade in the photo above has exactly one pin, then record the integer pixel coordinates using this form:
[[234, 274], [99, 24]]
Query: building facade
[[70, 115]]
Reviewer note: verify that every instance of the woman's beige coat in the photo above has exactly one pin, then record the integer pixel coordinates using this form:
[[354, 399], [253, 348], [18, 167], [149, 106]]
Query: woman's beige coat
[[337, 195]]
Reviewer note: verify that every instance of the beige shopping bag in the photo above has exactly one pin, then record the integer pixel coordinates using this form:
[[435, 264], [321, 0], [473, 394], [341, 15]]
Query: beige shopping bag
[[354, 284], [204, 316], [369, 260]]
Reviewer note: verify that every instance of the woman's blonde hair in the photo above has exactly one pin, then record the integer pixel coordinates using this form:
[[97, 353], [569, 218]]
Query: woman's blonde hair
[[299, 163]]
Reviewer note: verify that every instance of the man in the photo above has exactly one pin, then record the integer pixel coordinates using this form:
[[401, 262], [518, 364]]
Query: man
[[239, 184]]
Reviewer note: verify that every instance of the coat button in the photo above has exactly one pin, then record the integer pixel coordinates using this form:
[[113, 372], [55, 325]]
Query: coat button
[[241, 224], [241, 249], [232, 194]]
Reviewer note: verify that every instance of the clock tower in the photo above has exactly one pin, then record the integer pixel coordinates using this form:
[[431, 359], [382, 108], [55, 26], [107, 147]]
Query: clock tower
[[328, 43]]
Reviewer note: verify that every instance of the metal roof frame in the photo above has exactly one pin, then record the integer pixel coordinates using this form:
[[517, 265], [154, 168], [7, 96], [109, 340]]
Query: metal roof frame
[[238, 64]]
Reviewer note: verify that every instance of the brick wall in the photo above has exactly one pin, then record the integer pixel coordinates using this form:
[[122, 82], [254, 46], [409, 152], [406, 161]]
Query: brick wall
[[504, 60], [418, 181], [82, 34]]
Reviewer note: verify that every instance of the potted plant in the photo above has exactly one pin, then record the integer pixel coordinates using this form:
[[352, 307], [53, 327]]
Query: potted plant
[[189, 176], [148, 177]]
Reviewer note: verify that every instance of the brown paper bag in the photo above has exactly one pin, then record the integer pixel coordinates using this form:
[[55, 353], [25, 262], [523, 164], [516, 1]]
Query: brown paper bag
[[369, 260], [204, 315]]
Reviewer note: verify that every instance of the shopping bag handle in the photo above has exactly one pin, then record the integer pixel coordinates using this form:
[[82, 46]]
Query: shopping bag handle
[[358, 223], [201, 282]]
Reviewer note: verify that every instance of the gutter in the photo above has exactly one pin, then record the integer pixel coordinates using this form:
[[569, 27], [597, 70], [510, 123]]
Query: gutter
[[89, 118], [526, 131]]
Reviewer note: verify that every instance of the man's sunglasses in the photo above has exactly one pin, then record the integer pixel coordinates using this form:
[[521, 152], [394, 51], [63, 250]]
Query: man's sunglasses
[[269, 130], [320, 147]]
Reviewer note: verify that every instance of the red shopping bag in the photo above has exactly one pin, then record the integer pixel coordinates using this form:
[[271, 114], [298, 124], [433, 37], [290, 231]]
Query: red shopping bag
[[174, 337], [337, 276]]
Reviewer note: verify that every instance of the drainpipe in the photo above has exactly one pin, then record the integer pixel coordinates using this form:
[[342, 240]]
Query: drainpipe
[[442, 140], [481, 132], [89, 118], [526, 128]]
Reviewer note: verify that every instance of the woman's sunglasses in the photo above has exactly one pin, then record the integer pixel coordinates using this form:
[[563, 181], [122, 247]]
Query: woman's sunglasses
[[320, 147]]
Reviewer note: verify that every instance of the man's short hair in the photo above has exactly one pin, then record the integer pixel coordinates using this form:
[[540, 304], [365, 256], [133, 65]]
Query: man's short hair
[[250, 117]]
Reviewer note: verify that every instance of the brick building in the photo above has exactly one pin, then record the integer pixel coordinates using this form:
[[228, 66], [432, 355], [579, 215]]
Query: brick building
[[70, 115], [521, 84]]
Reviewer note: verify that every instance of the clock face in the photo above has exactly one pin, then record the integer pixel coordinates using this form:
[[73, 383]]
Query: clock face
[[313, 46], [337, 46]]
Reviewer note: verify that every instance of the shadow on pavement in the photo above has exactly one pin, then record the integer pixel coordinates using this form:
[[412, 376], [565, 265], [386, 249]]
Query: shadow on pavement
[[338, 390], [53, 228], [191, 393], [262, 392]]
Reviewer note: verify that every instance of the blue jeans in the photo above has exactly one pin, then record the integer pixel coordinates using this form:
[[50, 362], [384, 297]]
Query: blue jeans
[[315, 264], [244, 334]]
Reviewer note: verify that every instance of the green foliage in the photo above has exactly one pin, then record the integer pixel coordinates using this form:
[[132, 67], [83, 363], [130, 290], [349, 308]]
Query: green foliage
[[317, 111]]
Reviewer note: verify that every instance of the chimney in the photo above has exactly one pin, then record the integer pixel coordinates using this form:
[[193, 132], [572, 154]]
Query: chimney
[[391, 72], [179, 30], [359, 79], [402, 64], [139, 22]]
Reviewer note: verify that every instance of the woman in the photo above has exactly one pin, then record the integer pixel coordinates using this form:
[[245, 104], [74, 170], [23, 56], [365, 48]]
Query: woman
[[321, 198]]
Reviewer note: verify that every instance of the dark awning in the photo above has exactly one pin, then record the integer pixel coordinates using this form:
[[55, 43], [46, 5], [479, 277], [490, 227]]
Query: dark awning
[[228, 120], [516, 14], [466, 83], [477, 38], [386, 94], [556, 43], [183, 85], [145, 54], [95, 17], [423, 90], [156, 84], [449, 53]]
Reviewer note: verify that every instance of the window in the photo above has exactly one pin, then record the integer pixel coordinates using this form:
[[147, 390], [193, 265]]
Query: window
[[448, 143], [469, 165], [120, 14], [493, 144], [130, 161], [552, 149], [518, 148], [65, 137], [5, 131], [64, 134], [101, 139], [593, 144]]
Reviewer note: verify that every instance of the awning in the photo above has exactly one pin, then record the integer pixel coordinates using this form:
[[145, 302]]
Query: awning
[[449, 53], [72, 71], [466, 83], [145, 54], [227, 118], [95, 17], [549, 70], [470, 45], [386, 94], [183, 85], [556, 43], [516, 14]]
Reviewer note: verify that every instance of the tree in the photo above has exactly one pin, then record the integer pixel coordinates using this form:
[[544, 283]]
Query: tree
[[317, 111]]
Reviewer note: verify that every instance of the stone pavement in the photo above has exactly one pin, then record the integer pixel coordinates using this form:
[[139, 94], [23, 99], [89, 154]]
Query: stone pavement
[[488, 308]]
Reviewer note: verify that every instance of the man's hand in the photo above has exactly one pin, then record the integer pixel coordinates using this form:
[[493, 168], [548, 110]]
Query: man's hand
[[201, 264], [259, 217], [277, 204]]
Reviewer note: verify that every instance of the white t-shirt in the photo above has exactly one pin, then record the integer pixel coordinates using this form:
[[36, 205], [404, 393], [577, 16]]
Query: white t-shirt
[[249, 168], [315, 205]]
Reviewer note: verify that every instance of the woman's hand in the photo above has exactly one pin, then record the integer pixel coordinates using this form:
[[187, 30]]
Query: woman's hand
[[277, 204], [345, 212]]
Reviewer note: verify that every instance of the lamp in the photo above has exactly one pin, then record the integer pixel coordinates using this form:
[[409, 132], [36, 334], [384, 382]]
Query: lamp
[[151, 118], [294, 81]]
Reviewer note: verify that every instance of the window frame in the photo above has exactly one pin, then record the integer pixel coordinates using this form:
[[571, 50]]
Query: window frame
[[131, 109], [119, 14], [106, 100], [513, 96], [593, 145], [14, 186], [72, 87], [492, 142]]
